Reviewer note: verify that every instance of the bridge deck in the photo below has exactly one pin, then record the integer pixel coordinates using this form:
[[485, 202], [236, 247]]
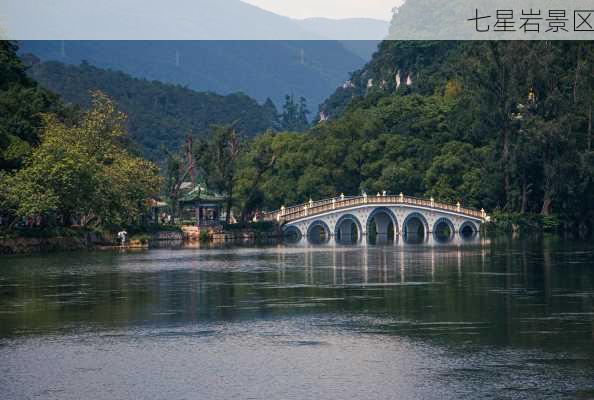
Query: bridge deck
[[323, 206]]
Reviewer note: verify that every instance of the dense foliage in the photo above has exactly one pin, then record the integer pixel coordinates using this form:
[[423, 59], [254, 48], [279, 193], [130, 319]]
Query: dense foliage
[[159, 114], [501, 125], [82, 173], [21, 102]]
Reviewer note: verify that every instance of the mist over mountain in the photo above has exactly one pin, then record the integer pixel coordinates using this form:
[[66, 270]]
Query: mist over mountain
[[260, 68], [146, 20], [359, 35]]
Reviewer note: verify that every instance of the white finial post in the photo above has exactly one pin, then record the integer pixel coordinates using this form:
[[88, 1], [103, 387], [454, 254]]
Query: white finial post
[[333, 203], [305, 209], [342, 196], [432, 202], [458, 206], [378, 194], [384, 193], [401, 197], [310, 202], [364, 197]]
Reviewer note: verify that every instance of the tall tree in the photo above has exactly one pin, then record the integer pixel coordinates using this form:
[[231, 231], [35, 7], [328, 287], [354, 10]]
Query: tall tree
[[295, 114], [218, 158]]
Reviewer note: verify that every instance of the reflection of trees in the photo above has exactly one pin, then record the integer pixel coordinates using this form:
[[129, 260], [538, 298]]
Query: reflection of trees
[[496, 294]]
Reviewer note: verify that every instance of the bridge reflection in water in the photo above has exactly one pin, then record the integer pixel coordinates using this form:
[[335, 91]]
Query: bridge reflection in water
[[381, 219], [381, 265]]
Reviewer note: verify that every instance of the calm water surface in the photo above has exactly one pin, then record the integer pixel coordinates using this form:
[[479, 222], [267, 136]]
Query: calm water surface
[[501, 319]]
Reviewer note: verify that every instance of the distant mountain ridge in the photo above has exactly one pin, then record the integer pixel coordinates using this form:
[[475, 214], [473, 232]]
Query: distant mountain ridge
[[309, 68], [359, 29], [172, 20], [261, 69]]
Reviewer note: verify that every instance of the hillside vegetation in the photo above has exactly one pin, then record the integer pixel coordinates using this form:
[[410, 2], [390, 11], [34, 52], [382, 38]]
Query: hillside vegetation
[[158, 114], [502, 125]]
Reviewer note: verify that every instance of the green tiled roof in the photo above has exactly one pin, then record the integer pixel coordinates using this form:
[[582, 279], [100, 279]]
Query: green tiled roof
[[202, 194]]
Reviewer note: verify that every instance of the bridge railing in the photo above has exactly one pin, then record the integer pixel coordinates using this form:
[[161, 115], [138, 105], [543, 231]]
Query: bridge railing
[[319, 207]]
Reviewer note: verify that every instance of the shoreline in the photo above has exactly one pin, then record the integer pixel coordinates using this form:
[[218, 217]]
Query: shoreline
[[82, 240]]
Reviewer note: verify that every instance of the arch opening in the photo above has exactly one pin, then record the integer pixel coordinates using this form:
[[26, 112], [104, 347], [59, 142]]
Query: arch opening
[[382, 227], [291, 234], [443, 230], [348, 230], [468, 231], [415, 228], [318, 233]]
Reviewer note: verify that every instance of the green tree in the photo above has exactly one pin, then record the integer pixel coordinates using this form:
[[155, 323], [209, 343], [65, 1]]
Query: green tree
[[22, 102], [218, 158], [295, 115], [83, 171], [259, 158]]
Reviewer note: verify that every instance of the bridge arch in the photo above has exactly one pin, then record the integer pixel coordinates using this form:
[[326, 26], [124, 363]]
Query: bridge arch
[[443, 230], [382, 217], [468, 230], [344, 229], [415, 227], [292, 234], [318, 232]]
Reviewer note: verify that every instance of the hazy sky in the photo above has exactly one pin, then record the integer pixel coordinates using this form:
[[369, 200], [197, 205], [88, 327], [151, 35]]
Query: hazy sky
[[380, 9]]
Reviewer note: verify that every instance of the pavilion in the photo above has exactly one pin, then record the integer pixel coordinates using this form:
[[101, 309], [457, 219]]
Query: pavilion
[[202, 206]]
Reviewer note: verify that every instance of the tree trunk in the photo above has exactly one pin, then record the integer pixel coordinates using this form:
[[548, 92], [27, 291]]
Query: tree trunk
[[524, 194], [546, 205], [229, 202], [590, 127], [577, 75], [505, 163]]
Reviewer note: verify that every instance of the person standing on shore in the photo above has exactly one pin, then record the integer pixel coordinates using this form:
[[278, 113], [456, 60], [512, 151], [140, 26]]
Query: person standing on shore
[[123, 237]]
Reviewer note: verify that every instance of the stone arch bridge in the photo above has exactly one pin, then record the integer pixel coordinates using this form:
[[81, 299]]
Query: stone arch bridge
[[378, 219]]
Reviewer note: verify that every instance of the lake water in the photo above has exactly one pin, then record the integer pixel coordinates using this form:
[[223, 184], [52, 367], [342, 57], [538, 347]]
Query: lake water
[[501, 319]]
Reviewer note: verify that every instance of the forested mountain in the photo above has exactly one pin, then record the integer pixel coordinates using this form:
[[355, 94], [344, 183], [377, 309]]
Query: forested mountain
[[261, 69], [502, 125], [158, 114], [396, 67]]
